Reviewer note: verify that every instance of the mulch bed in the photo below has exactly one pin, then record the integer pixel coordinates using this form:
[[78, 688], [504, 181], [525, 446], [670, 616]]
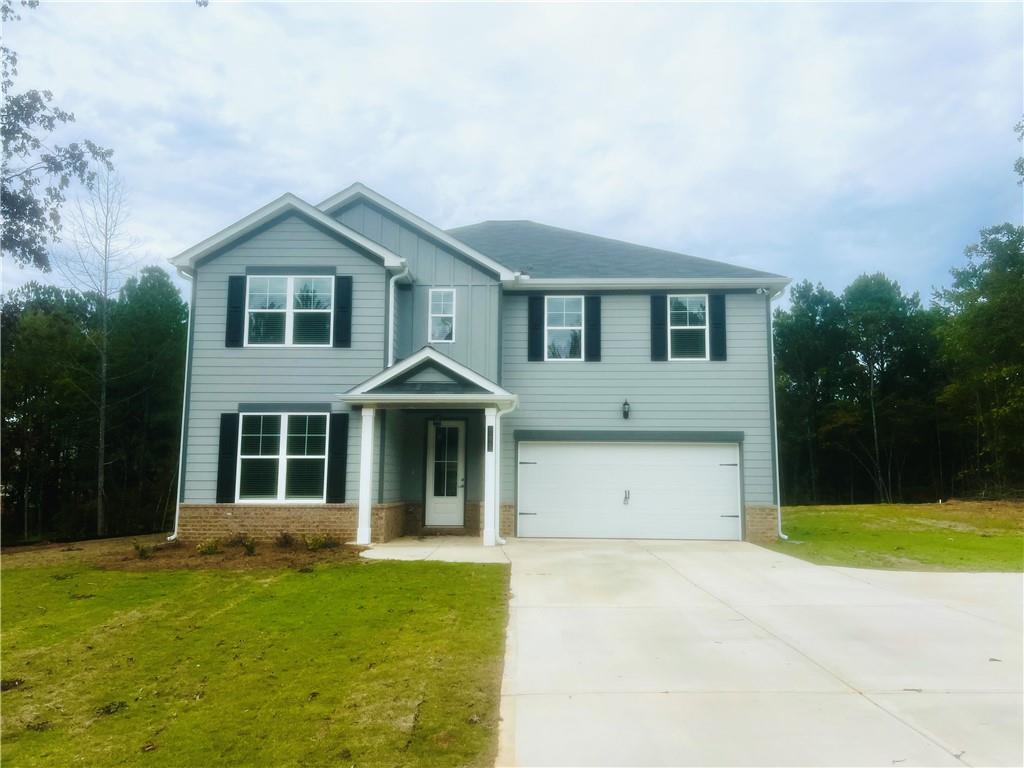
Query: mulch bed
[[121, 554]]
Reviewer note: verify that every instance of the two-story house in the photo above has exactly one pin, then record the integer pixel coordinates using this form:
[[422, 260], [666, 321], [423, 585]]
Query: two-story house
[[355, 370]]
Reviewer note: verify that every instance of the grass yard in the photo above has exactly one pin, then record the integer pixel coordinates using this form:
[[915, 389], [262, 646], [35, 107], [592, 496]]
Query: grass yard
[[343, 662], [956, 536]]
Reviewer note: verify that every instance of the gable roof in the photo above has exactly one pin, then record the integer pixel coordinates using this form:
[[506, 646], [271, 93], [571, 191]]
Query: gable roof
[[546, 252], [404, 382], [285, 204], [359, 190]]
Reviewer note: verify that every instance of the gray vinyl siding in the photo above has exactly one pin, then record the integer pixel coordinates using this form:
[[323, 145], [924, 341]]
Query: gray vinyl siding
[[223, 377], [432, 265], [391, 429], [680, 395]]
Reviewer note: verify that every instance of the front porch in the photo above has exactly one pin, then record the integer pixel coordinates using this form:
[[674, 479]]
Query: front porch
[[429, 451]]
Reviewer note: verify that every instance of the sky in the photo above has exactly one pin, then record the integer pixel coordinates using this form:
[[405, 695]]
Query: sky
[[819, 141]]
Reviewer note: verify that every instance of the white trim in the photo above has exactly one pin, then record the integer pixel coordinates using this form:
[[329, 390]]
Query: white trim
[[364, 524], [582, 329], [187, 259], [670, 328], [428, 353], [524, 283], [282, 456], [289, 312], [428, 400], [431, 315], [359, 189], [460, 476]]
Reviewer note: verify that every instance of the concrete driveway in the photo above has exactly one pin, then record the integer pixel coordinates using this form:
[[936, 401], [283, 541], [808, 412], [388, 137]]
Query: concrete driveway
[[707, 653]]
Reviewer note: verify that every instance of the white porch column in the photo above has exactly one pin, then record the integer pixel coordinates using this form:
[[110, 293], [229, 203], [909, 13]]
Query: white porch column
[[365, 475], [490, 475]]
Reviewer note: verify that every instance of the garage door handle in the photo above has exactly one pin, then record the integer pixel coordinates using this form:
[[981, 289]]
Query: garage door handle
[[625, 498], [728, 515]]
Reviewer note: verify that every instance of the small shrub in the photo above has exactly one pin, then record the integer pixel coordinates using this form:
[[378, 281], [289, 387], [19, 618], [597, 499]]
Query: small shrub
[[249, 545], [284, 540], [208, 547], [143, 551], [320, 541]]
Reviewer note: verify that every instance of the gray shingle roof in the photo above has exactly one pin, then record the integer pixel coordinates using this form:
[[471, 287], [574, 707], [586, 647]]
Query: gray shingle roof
[[542, 251]]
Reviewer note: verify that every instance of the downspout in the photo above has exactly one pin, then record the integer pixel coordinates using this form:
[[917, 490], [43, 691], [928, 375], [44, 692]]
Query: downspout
[[497, 489], [775, 417], [184, 410], [393, 311]]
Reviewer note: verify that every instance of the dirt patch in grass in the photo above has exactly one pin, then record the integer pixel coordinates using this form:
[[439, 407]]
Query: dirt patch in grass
[[122, 554]]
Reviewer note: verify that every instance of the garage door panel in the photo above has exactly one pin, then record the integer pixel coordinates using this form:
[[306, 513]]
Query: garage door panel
[[629, 490]]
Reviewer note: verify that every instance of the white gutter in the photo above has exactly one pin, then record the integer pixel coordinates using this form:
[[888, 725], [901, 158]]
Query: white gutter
[[497, 489], [184, 410], [526, 283], [391, 318], [775, 418]]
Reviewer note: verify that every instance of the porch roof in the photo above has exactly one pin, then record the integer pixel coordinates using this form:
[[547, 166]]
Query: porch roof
[[429, 378]]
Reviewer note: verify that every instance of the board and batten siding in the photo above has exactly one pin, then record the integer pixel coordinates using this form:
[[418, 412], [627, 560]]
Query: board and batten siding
[[677, 395], [224, 377], [432, 265]]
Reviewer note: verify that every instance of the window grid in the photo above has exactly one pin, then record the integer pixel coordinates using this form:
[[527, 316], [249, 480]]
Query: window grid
[[688, 312], [442, 310], [563, 309], [300, 443], [305, 302]]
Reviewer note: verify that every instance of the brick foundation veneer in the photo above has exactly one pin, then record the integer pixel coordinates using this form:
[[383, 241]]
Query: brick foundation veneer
[[761, 524], [199, 522]]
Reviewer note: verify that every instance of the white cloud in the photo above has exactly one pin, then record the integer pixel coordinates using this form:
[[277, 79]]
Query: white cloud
[[785, 137]]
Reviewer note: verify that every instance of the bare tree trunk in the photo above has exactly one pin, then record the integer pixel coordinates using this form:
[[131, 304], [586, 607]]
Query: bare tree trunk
[[101, 452], [879, 479]]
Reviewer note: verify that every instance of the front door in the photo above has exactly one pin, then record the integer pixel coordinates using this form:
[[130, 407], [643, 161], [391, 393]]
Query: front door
[[446, 473]]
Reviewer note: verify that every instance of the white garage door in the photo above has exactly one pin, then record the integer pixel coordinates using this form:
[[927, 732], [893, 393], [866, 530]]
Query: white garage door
[[629, 490]]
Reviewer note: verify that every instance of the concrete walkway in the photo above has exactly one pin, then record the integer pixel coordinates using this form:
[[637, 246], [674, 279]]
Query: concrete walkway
[[723, 653]]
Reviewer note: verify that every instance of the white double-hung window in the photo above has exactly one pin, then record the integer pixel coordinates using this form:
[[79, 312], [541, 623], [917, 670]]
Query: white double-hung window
[[563, 327], [688, 327], [282, 457], [289, 311], [442, 314]]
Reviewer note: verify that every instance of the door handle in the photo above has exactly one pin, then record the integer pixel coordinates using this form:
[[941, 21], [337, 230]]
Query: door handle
[[462, 483], [625, 497]]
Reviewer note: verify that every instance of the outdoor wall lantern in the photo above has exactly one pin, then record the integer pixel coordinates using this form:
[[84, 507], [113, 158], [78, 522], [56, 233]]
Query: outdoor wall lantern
[[625, 409]]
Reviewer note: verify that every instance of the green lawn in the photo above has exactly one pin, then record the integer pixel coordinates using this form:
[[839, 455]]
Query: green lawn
[[958, 536], [361, 663]]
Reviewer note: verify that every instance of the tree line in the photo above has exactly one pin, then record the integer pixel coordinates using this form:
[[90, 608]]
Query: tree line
[[50, 386], [882, 398]]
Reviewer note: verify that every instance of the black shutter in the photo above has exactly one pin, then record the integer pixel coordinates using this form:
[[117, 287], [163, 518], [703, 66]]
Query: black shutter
[[659, 328], [592, 329], [343, 311], [337, 458], [716, 325], [234, 328], [535, 328], [227, 457]]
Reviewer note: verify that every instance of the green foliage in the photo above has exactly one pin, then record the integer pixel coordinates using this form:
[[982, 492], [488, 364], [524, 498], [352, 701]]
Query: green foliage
[[208, 547], [319, 541], [983, 350], [219, 668], [882, 399], [36, 173], [248, 543], [49, 387], [143, 551], [284, 540]]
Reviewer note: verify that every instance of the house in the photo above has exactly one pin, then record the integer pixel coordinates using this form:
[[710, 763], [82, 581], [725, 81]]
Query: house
[[357, 371]]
